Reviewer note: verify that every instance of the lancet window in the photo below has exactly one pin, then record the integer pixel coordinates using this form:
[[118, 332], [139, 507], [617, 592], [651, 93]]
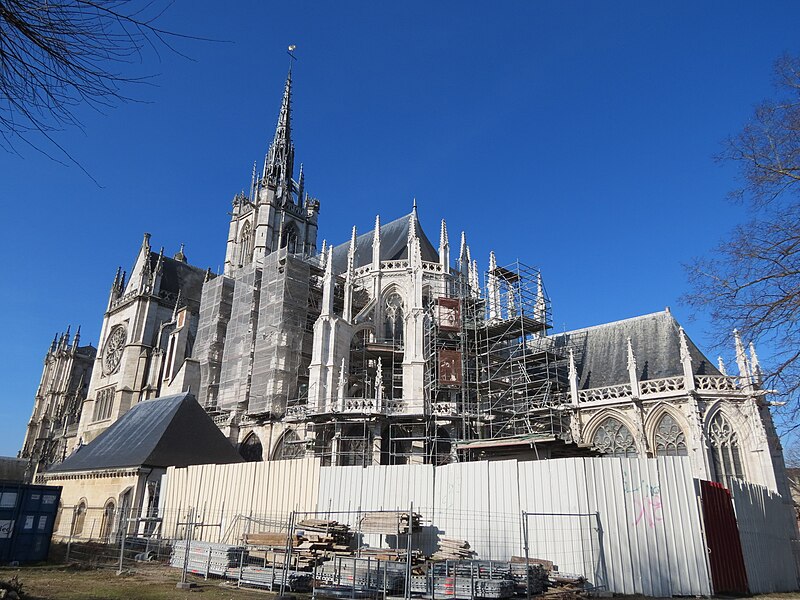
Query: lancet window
[[725, 453], [244, 244], [393, 318], [613, 438], [289, 239], [290, 446], [669, 437]]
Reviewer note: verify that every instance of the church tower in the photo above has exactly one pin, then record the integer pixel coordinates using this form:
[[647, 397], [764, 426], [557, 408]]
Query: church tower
[[277, 213]]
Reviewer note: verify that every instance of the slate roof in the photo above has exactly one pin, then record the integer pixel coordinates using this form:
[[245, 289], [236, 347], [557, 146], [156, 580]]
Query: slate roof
[[163, 432], [394, 245], [601, 351], [177, 274]]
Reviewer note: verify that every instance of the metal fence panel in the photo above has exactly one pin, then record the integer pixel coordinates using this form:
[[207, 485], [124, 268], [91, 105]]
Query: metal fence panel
[[766, 530]]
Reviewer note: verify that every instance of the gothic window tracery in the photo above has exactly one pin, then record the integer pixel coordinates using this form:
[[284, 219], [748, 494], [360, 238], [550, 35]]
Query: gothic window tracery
[[244, 244], [289, 447], [393, 318], [669, 437], [251, 449], [725, 454], [613, 438], [289, 240]]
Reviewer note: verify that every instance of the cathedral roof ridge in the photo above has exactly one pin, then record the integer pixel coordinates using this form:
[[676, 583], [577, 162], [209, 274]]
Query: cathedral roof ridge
[[652, 315], [394, 244]]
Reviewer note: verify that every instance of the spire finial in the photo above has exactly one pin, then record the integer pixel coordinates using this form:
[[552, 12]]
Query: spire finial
[[631, 355], [684, 344], [414, 206], [540, 311], [177, 303], [412, 226], [443, 240], [721, 366]]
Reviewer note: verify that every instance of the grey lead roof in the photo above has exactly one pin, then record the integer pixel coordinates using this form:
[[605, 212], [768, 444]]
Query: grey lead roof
[[163, 432], [180, 275], [601, 354], [394, 245]]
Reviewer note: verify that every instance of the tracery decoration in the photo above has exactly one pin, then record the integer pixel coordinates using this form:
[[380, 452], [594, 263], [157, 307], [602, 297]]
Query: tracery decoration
[[669, 437], [112, 353], [393, 317], [289, 447], [613, 438], [725, 455]]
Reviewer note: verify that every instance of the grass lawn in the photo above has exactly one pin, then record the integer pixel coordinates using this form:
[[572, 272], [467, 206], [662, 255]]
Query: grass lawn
[[145, 582]]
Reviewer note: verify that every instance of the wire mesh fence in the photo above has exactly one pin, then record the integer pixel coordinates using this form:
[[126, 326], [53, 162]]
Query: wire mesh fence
[[349, 554]]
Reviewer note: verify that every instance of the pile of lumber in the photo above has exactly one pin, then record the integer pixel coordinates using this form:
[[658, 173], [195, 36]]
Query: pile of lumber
[[322, 531], [271, 539], [450, 549], [313, 541], [389, 523]]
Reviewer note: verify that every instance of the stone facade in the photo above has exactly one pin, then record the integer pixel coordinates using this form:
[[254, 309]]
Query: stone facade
[[53, 426], [384, 349]]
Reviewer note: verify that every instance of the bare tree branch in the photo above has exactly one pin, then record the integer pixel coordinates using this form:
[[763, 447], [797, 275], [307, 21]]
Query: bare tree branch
[[58, 55], [752, 280]]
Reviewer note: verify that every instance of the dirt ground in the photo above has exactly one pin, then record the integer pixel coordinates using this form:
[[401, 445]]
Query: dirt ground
[[147, 582], [155, 582]]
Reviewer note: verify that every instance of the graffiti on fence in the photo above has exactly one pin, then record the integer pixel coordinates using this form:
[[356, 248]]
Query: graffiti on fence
[[646, 500]]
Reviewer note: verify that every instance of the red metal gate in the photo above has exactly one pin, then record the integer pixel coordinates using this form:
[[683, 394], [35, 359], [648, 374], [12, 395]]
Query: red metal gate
[[728, 574]]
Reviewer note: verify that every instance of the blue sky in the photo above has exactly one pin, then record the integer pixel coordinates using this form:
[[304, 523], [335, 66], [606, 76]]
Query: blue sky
[[575, 136]]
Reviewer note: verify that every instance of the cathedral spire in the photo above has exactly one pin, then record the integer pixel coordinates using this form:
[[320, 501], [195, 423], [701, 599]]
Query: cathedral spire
[[280, 159]]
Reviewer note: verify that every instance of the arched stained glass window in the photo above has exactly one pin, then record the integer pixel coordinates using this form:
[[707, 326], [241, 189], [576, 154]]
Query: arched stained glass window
[[725, 457], [614, 439], [670, 439], [290, 446]]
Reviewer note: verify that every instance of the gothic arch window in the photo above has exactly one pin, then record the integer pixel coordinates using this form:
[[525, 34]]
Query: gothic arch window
[[726, 460], [289, 447], [107, 524], [355, 446], [244, 243], [613, 438], [250, 449], [79, 518], [393, 318], [289, 239], [669, 438]]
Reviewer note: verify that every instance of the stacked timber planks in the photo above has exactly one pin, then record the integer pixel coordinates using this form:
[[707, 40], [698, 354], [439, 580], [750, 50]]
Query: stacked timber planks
[[390, 522], [450, 549]]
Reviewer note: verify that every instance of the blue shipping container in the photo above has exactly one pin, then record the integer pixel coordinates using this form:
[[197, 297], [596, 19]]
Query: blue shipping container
[[27, 515]]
